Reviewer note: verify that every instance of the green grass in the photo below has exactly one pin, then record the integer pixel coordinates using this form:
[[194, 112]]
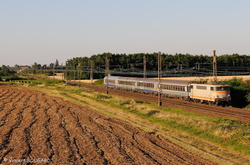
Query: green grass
[[45, 82], [99, 82]]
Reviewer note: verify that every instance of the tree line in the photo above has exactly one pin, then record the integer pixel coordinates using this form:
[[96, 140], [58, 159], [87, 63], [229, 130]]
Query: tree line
[[128, 61], [79, 67]]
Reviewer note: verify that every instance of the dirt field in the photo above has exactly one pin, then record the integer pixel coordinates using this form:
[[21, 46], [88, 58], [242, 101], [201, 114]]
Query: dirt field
[[41, 129]]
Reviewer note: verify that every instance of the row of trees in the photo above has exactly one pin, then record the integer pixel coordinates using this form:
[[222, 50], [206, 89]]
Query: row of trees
[[128, 61], [40, 69], [79, 67]]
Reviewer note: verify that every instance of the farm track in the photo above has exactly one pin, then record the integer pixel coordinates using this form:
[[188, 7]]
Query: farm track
[[43, 129], [204, 109]]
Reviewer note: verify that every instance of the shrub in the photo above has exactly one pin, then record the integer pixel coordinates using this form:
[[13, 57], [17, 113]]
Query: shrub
[[102, 96], [99, 82]]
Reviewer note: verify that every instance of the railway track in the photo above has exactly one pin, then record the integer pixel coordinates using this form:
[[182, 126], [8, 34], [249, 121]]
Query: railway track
[[204, 109]]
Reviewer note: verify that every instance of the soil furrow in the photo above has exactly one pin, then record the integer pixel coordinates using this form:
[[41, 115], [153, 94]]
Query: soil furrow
[[66, 136], [157, 151], [62, 152], [113, 143], [34, 125], [4, 92], [7, 137], [48, 135], [3, 120], [100, 151], [87, 137], [9, 107], [3, 157], [27, 133]]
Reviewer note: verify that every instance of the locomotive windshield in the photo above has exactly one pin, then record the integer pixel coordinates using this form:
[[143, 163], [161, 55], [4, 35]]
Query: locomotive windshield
[[224, 88]]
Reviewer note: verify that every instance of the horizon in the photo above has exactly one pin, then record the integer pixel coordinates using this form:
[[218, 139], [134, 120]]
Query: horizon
[[64, 63]]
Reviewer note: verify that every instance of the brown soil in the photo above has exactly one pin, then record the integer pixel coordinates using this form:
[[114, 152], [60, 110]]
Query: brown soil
[[36, 128]]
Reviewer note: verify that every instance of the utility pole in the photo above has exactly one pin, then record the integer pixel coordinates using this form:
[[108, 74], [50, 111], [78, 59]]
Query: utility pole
[[107, 74], [73, 67], [144, 67], [44, 71], [63, 76], [66, 72], [78, 70], [214, 66], [159, 79], [53, 71], [91, 71]]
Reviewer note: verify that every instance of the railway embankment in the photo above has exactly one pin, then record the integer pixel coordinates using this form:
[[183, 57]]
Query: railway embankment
[[224, 141]]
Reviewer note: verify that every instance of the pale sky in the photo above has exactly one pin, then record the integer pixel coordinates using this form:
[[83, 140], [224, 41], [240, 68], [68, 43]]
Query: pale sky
[[45, 30]]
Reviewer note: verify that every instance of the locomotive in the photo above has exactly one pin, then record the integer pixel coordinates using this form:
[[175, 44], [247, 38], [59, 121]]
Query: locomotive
[[214, 93]]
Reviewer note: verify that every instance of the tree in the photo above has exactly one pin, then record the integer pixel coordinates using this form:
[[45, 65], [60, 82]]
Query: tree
[[5, 71], [57, 63]]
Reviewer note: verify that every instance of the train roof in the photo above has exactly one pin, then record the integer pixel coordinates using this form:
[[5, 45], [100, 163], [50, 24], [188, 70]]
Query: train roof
[[166, 81], [112, 77], [147, 80], [176, 82], [128, 78], [153, 80]]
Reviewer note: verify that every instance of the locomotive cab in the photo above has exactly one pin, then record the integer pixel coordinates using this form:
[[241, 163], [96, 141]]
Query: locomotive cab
[[221, 94]]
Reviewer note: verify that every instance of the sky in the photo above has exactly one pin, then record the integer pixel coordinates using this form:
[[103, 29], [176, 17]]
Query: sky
[[42, 31]]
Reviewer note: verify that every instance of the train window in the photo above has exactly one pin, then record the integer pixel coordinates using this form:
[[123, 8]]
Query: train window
[[111, 81], [121, 82], [129, 83], [225, 88], [163, 86], [201, 87], [147, 85], [212, 88], [126, 82], [172, 87]]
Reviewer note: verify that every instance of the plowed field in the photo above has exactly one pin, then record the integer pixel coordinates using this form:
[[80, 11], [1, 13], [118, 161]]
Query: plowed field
[[36, 128]]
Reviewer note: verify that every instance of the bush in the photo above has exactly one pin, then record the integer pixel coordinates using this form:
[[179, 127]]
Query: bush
[[99, 82], [52, 82], [33, 83], [239, 92], [103, 96]]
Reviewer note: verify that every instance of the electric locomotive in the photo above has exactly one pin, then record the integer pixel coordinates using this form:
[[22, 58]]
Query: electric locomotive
[[210, 93]]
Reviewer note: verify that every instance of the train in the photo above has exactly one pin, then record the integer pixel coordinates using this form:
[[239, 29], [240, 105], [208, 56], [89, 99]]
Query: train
[[194, 91]]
